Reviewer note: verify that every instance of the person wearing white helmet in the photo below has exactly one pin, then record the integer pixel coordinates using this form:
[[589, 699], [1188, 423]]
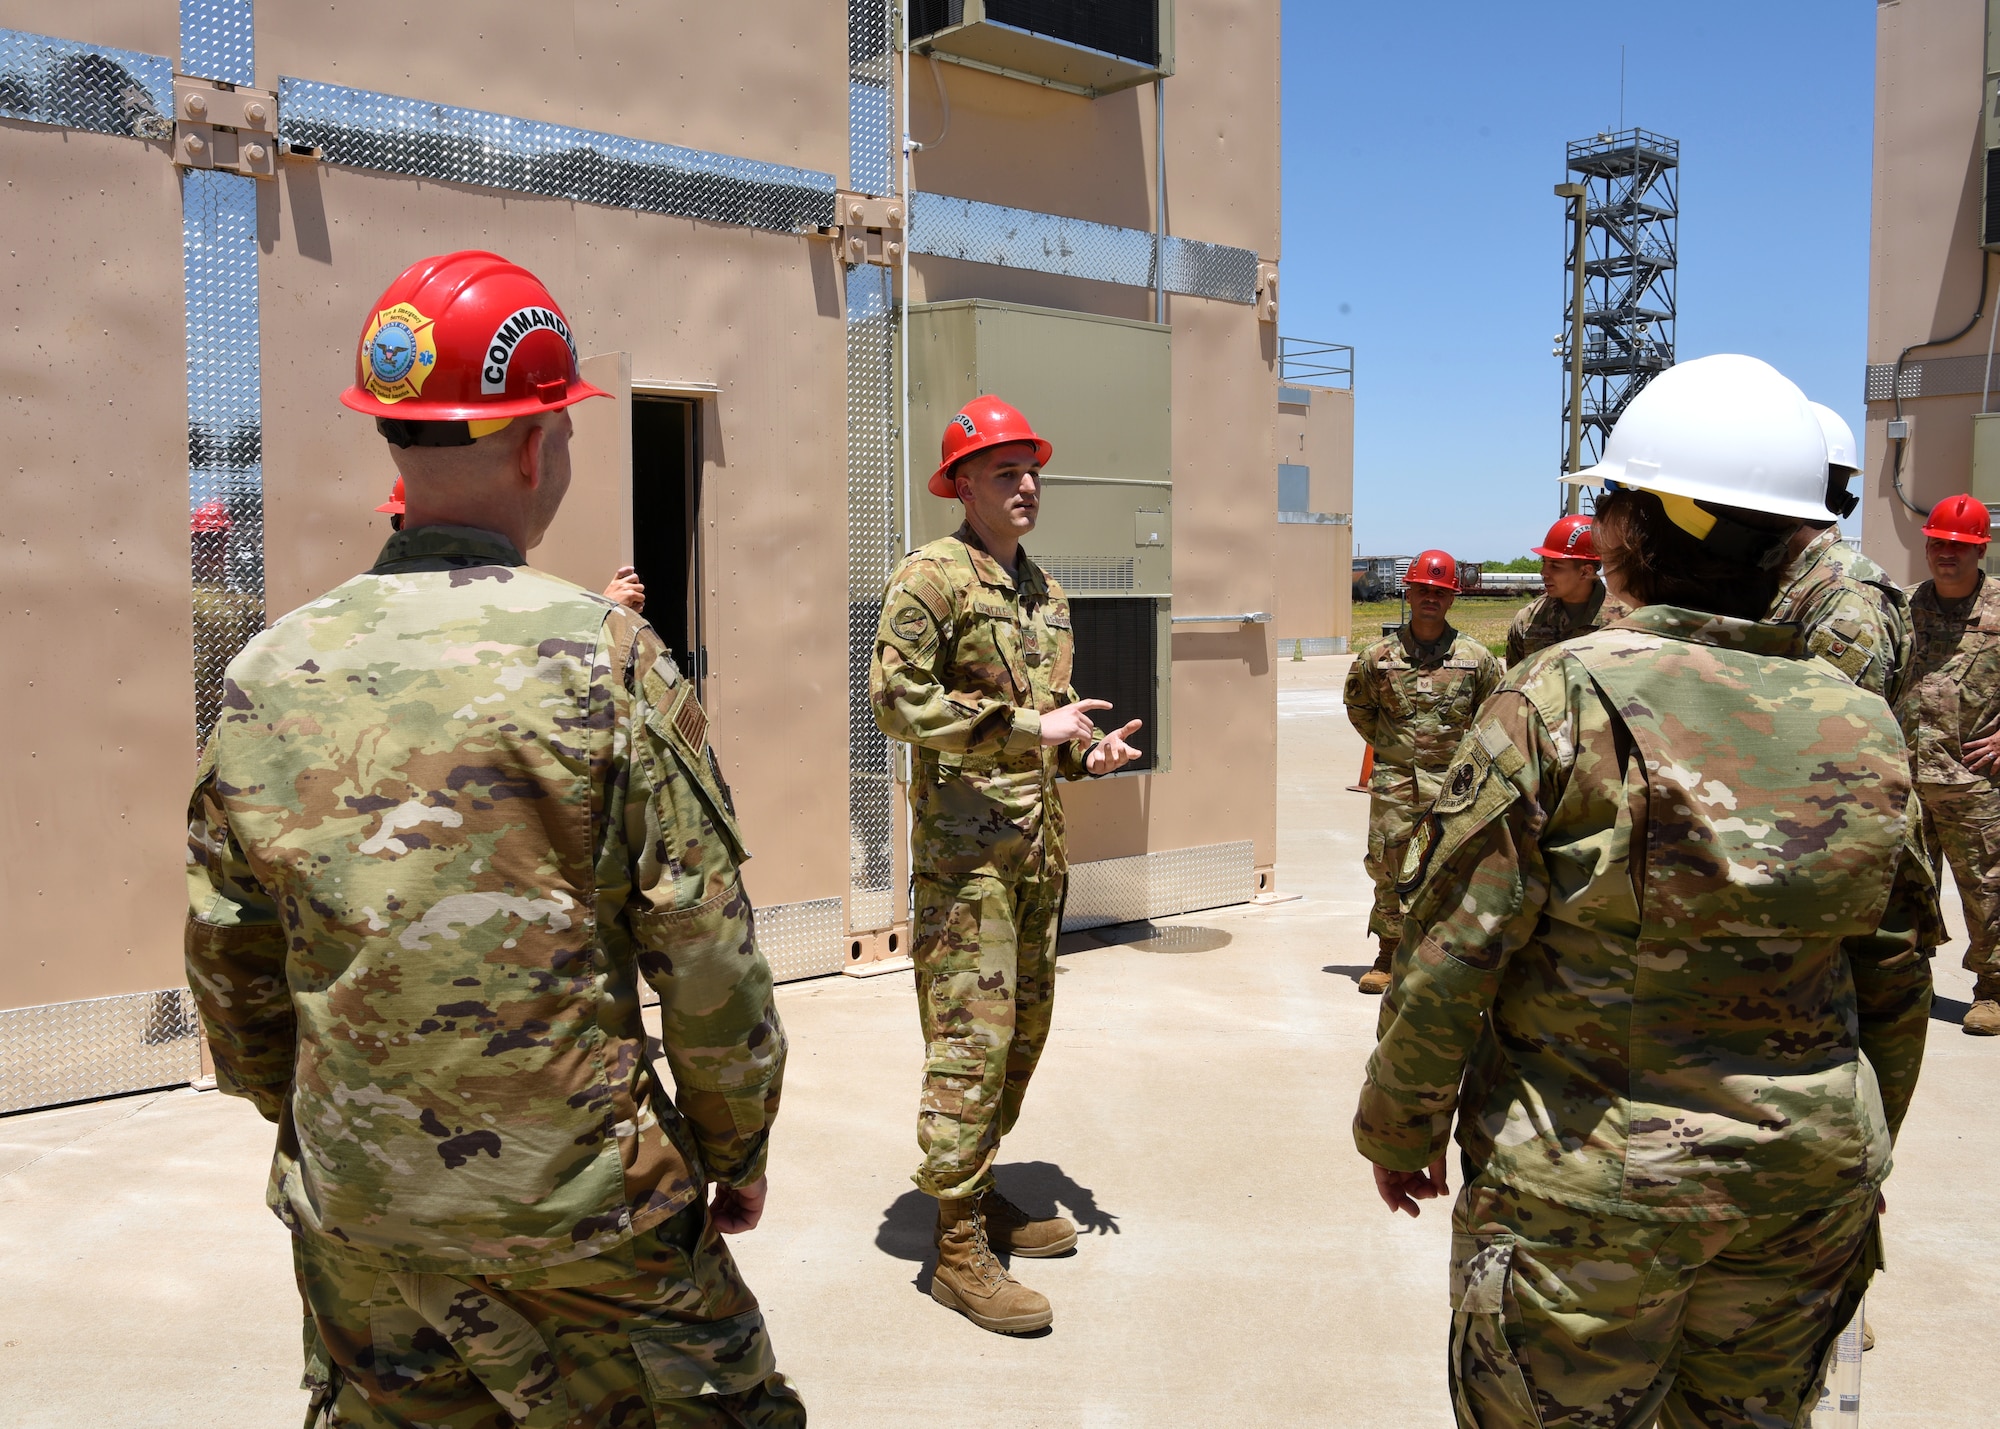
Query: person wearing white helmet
[[1665, 962], [1851, 614]]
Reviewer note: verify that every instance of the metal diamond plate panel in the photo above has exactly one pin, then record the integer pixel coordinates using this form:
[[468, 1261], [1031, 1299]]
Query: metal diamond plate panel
[[1210, 270], [1314, 645], [873, 546], [803, 940], [871, 111], [975, 232], [218, 40], [71, 1051], [49, 81], [1159, 885], [225, 425], [366, 130]]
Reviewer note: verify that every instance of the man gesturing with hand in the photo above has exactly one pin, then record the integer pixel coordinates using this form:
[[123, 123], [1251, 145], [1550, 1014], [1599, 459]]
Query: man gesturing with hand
[[973, 667]]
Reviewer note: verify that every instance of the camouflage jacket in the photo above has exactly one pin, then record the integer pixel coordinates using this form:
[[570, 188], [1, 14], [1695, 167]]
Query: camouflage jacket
[[1953, 691], [452, 813], [1546, 621], [1852, 615], [968, 658], [1413, 703], [1666, 953]]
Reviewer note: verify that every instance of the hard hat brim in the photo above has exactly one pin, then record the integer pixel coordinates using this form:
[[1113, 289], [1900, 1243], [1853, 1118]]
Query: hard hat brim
[[942, 482], [391, 508], [1958, 536], [1548, 555], [416, 409]]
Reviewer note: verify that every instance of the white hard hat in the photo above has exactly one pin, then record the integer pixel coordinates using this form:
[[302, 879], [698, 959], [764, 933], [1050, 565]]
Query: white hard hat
[[1725, 430], [1841, 448]]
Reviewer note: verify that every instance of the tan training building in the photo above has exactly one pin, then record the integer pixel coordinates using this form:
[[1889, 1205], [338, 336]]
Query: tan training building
[[1933, 406], [202, 199]]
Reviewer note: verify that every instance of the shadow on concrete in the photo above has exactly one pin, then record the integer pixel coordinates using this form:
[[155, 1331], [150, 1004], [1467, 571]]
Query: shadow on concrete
[[1351, 971], [1041, 1188], [1147, 938], [1946, 1009]]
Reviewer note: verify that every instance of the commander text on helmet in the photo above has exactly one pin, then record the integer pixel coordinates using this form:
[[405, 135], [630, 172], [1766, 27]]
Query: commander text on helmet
[[1667, 964], [972, 666], [452, 813], [1412, 696]]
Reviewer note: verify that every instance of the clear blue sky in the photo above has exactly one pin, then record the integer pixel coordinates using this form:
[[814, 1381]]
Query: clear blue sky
[[1421, 142]]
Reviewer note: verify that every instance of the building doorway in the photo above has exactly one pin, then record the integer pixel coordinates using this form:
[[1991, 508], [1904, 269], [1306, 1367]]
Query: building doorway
[[666, 527]]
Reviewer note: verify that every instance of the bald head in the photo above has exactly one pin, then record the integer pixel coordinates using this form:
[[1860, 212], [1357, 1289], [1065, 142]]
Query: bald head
[[511, 481]]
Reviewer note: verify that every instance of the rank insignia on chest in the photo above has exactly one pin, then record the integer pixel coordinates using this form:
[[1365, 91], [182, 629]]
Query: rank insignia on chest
[[1423, 684]]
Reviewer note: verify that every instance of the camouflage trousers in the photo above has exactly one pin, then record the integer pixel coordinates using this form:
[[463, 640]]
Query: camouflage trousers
[[660, 1332], [1962, 825], [1566, 1319], [1392, 819], [985, 953]]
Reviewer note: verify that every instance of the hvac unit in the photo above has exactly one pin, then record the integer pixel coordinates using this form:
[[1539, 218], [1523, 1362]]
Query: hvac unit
[[1089, 47], [1100, 390]]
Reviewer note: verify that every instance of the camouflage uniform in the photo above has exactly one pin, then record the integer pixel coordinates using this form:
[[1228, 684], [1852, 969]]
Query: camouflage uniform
[[1667, 964], [452, 813], [1412, 703], [1953, 695], [1546, 621], [1852, 615], [968, 658]]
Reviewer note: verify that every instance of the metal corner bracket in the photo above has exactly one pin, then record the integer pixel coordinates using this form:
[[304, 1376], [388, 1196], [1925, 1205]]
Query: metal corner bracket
[[869, 230], [227, 127], [1267, 292]]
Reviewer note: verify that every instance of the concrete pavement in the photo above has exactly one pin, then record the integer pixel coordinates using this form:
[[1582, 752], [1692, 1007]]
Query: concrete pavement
[[1191, 1114]]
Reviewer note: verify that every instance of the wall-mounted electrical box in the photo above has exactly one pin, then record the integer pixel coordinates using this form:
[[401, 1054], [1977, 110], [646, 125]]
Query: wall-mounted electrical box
[[1100, 389], [1089, 47]]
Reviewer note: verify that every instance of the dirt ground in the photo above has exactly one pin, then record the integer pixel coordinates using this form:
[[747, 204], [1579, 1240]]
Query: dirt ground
[[1484, 617]]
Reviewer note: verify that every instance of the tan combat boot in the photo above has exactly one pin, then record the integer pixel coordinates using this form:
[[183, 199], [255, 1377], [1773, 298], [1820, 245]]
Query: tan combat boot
[[1013, 1230], [971, 1280], [1982, 1019], [1375, 981]]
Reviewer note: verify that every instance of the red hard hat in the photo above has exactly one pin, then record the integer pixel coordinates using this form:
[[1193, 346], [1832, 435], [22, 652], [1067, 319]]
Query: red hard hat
[[394, 505], [1959, 518], [1569, 540], [1433, 568], [981, 423], [211, 515], [465, 337]]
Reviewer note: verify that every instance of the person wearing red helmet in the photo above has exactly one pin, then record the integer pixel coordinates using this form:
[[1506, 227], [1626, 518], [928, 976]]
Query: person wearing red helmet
[[625, 587], [1573, 599], [455, 810], [1412, 696], [1851, 614], [1951, 717], [973, 657]]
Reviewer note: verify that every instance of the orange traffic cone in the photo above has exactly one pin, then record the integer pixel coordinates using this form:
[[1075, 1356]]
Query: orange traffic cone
[[1360, 786]]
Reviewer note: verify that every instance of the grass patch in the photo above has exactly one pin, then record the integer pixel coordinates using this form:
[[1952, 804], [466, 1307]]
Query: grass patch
[[1484, 617]]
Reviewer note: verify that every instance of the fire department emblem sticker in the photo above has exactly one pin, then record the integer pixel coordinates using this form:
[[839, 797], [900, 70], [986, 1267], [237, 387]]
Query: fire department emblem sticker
[[398, 353]]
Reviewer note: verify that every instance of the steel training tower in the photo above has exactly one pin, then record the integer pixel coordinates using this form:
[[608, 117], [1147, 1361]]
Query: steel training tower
[[1628, 184]]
